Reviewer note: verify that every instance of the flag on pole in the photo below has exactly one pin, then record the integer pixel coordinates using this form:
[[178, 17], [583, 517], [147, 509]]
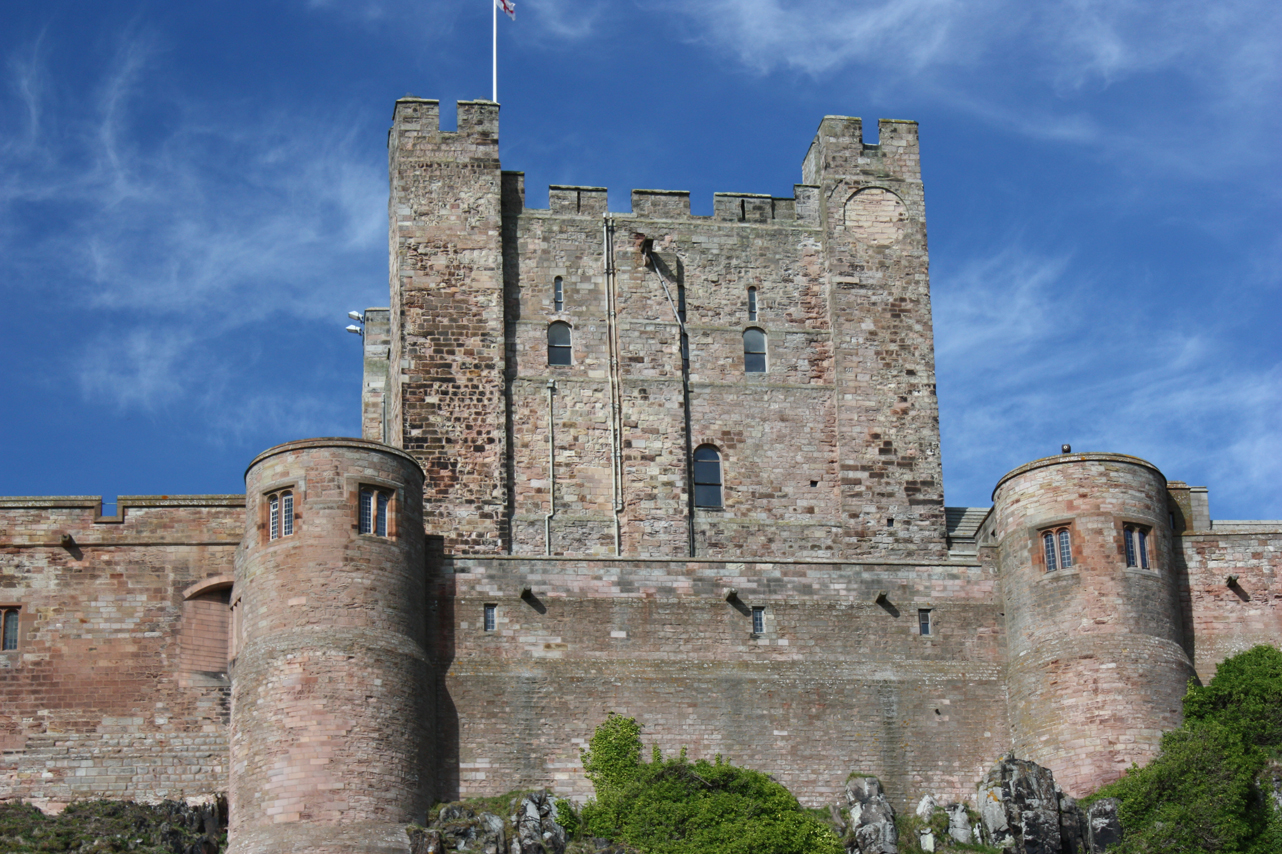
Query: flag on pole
[[508, 6]]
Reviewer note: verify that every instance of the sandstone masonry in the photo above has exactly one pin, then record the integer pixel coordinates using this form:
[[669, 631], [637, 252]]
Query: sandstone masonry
[[679, 467]]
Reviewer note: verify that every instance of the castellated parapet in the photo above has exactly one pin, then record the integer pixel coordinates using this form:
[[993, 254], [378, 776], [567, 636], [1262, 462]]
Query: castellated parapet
[[331, 703], [679, 467]]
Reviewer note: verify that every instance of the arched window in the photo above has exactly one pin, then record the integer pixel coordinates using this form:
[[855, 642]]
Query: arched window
[[707, 477], [754, 351], [558, 294], [10, 629], [1057, 548], [559, 350], [752, 304], [280, 514], [1136, 546]]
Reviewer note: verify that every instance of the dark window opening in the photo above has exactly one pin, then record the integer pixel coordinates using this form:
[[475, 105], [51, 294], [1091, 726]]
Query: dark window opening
[[10, 635], [374, 508], [559, 350], [707, 477], [558, 294], [1136, 546], [923, 620], [491, 617], [754, 351], [752, 303], [758, 621]]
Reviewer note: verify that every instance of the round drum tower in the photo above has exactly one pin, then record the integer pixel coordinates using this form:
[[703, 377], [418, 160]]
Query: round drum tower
[[329, 678], [1097, 668]]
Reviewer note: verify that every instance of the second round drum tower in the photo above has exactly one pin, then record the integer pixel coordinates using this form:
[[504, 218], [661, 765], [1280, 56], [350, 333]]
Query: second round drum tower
[[1097, 666]]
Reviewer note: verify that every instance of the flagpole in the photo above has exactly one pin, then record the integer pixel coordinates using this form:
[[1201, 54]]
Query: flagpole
[[495, 10]]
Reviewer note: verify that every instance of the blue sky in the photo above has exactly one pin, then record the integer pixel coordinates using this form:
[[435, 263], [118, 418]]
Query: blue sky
[[192, 196]]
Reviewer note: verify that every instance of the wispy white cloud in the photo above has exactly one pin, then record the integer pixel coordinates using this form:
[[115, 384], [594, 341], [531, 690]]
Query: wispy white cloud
[[180, 242], [1026, 347]]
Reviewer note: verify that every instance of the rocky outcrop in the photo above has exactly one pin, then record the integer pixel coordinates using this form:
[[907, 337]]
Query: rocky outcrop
[[530, 828], [1022, 810], [872, 819]]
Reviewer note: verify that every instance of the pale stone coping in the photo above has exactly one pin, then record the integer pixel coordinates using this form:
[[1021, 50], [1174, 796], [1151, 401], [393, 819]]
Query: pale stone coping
[[839, 563], [1246, 526], [1063, 459], [566, 186], [334, 442], [36, 502]]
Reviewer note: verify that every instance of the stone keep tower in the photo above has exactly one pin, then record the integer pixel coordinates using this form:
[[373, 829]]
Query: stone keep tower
[[1096, 662], [330, 691], [829, 449]]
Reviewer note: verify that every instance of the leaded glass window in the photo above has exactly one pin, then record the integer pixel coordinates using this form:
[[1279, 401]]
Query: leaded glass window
[[754, 351], [707, 477]]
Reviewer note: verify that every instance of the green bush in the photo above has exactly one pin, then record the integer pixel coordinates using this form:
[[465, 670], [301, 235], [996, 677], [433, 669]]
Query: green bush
[[1202, 793], [104, 827], [676, 806]]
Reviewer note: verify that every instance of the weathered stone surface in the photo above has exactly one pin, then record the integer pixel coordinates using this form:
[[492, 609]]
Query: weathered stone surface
[[535, 828], [959, 827], [872, 819], [1103, 829], [1019, 807]]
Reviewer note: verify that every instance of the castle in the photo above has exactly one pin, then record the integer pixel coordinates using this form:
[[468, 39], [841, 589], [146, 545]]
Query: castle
[[679, 467]]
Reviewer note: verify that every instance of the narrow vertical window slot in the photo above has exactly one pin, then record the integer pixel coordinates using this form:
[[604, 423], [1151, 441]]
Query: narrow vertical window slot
[[1048, 541], [10, 629], [758, 621], [923, 620], [273, 511], [286, 514], [752, 304], [491, 617], [558, 294], [1065, 550]]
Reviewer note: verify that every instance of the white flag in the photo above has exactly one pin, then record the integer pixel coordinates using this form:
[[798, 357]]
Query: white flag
[[508, 6]]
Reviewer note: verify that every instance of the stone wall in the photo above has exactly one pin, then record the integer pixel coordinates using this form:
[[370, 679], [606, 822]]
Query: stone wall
[[840, 679], [117, 688]]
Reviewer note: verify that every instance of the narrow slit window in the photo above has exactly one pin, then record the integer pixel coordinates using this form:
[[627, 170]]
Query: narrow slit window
[[754, 351], [274, 514], [1048, 541], [491, 617], [559, 349], [923, 620], [752, 304], [558, 294], [707, 477], [1065, 549], [1129, 535], [10, 629], [758, 621], [380, 519]]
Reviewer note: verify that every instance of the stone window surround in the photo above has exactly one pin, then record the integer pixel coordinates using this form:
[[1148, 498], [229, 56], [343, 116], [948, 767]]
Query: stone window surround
[[293, 486], [23, 620], [559, 324], [1145, 558], [1054, 526], [353, 484]]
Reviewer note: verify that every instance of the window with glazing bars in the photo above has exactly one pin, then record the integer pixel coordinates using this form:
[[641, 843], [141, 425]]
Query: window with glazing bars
[[558, 294], [374, 505], [559, 350], [1048, 543], [752, 303], [491, 617], [1065, 549], [923, 620], [707, 477], [754, 351], [10, 628], [1136, 546], [280, 514], [758, 621]]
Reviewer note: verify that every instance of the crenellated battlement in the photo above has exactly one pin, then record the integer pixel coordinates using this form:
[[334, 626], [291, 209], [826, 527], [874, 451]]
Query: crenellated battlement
[[475, 118], [802, 208], [839, 149]]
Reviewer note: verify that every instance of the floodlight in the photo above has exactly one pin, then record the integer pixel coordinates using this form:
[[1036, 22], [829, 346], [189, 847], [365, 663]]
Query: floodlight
[[354, 329], [357, 316]]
